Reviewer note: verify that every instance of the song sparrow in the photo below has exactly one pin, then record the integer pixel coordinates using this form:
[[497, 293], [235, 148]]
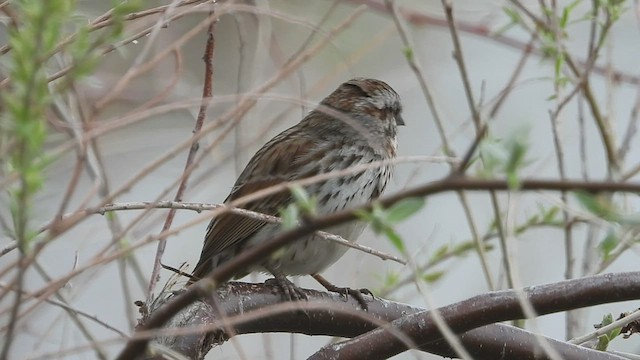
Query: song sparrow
[[356, 124]]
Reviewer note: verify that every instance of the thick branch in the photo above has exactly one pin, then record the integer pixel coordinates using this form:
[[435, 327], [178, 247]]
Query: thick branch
[[490, 308], [258, 308]]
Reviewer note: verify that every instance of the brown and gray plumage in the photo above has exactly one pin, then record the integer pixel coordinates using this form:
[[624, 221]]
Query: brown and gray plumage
[[356, 124]]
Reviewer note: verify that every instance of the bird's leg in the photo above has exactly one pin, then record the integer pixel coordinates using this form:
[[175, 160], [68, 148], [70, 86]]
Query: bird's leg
[[356, 293], [290, 292]]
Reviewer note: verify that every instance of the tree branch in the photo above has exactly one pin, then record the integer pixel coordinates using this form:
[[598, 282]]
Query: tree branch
[[258, 308], [491, 308]]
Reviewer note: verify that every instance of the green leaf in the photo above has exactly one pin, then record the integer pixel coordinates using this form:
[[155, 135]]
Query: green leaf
[[550, 215], [408, 53], [290, 216], [513, 181], [493, 155], [608, 244], [306, 203], [364, 215], [378, 218], [462, 249], [391, 278], [404, 209], [564, 18], [432, 276], [440, 252], [558, 65], [299, 194], [395, 239], [517, 147], [513, 15], [380, 222], [614, 333], [566, 12], [597, 205], [605, 339]]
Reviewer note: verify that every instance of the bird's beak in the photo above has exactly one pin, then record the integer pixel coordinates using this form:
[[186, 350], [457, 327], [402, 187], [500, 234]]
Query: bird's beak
[[399, 120]]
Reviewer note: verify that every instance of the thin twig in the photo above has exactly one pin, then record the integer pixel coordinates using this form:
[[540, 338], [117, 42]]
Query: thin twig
[[73, 315], [416, 67], [462, 68], [480, 131], [199, 207], [507, 90], [606, 329], [207, 94]]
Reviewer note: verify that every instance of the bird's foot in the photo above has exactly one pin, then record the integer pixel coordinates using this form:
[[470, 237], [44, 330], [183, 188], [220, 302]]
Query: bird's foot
[[289, 291], [346, 291]]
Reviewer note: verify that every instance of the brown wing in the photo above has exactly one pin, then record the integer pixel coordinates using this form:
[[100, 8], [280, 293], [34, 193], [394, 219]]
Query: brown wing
[[277, 162]]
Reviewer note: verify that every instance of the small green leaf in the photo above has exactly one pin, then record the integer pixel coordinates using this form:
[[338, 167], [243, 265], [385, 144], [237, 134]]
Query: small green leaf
[[606, 320], [299, 194], [588, 201], [597, 205], [378, 218], [493, 155], [440, 252], [559, 62], [395, 239], [605, 339], [513, 15], [408, 53], [462, 249], [550, 216], [564, 18], [404, 209], [517, 147], [306, 203], [432, 276], [614, 333], [608, 244], [364, 215], [290, 216], [513, 181], [391, 278]]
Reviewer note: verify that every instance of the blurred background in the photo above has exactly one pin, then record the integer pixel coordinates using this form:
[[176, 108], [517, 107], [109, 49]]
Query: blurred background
[[251, 47]]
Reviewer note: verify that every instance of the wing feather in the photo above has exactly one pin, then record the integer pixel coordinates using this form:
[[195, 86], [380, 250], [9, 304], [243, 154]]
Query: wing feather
[[277, 162]]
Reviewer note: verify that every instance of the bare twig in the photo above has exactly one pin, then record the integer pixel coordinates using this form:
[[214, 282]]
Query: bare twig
[[207, 94], [607, 328], [66, 307], [198, 207], [459, 58]]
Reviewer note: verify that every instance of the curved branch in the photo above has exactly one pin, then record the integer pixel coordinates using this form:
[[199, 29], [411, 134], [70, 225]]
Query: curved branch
[[490, 308], [258, 308]]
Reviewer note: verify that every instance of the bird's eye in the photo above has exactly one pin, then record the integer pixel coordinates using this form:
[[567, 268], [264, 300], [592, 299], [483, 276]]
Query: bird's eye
[[396, 112]]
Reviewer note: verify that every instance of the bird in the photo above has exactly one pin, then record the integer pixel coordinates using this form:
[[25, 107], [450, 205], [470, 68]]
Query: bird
[[356, 124]]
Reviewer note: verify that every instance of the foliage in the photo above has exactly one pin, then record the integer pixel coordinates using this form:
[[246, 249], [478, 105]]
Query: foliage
[[43, 32]]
